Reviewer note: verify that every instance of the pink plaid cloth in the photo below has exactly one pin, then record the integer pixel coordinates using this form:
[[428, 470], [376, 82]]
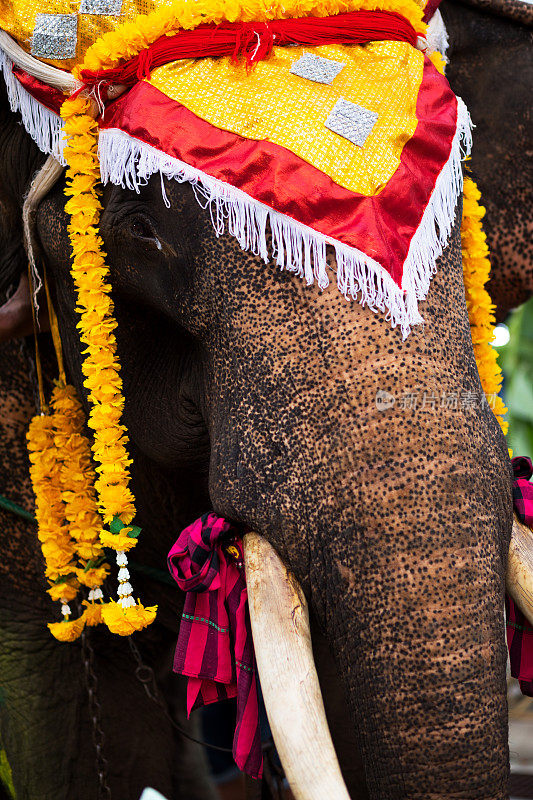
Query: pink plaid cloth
[[519, 630], [215, 648]]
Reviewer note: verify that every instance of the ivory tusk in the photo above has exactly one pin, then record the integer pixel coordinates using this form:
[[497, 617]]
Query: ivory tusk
[[289, 682], [520, 568]]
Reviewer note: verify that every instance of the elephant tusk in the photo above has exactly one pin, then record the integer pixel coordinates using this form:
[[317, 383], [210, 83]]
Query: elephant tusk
[[520, 568], [289, 682]]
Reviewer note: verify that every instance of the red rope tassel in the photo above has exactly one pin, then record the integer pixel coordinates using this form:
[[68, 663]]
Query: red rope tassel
[[254, 41]]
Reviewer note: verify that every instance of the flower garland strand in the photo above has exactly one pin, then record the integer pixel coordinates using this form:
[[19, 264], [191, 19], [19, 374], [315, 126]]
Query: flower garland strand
[[77, 479], [62, 478], [56, 544], [69, 494], [128, 39], [100, 366], [476, 271]]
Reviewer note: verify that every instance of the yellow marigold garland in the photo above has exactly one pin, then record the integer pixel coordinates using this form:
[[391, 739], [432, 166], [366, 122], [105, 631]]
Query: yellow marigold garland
[[68, 520], [57, 546], [476, 271], [77, 483], [100, 366]]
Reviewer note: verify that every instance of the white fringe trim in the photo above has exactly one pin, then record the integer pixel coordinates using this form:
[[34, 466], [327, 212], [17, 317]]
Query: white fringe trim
[[433, 232], [128, 162], [44, 127]]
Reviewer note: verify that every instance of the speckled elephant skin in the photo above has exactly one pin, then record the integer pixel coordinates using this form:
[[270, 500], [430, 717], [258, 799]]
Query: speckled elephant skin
[[396, 521]]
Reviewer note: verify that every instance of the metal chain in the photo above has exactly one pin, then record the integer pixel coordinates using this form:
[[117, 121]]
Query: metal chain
[[145, 675], [273, 774], [95, 712]]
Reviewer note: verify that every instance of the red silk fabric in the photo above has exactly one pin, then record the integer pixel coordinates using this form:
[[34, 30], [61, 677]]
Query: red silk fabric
[[431, 7], [381, 226], [52, 98], [254, 41]]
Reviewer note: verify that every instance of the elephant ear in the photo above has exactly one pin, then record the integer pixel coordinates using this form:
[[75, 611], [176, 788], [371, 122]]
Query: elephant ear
[[16, 173], [11, 243], [12, 255]]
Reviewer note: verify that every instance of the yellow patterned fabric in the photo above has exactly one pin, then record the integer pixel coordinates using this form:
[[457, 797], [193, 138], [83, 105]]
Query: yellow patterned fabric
[[273, 104]]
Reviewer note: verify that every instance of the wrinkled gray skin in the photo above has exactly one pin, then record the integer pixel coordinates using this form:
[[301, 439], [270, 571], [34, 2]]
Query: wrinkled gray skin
[[251, 394]]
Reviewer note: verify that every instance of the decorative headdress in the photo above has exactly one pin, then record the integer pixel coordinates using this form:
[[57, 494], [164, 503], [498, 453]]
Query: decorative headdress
[[321, 121]]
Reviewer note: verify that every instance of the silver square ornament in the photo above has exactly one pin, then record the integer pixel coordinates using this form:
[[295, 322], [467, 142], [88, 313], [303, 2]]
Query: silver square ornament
[[55, 36], [107, 7], [316, 68], [353, 122]]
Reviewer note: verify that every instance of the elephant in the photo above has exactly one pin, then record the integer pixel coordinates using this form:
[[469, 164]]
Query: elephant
[[249, 394]]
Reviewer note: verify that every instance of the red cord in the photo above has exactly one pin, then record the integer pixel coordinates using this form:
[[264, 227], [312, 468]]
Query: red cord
[[254, 41]]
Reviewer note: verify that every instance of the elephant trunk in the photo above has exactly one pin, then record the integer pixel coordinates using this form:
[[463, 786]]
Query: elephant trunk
[[382, 480], [289, 681], [404, 568]]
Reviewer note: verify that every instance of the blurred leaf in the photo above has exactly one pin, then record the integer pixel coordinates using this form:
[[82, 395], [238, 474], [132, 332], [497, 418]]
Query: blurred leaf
[[516, 359], [519, 395]]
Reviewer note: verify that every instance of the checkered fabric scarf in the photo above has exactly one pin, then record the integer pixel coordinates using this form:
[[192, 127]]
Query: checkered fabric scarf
[[519, 630], [215, 648]]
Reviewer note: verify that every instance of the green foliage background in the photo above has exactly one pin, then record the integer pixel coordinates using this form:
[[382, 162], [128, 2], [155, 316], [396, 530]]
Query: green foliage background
[[516, 359]]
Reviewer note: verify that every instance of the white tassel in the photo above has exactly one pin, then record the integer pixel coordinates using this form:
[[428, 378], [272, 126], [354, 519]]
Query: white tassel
[[44, 127], [128, 162], [433, 232], [95, 594], [123, 574]]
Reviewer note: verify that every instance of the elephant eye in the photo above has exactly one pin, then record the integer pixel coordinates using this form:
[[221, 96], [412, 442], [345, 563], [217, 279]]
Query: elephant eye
[[142, 229]]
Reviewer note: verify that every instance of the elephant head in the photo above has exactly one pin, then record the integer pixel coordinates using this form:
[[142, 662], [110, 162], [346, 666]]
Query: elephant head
[[354, 454]]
